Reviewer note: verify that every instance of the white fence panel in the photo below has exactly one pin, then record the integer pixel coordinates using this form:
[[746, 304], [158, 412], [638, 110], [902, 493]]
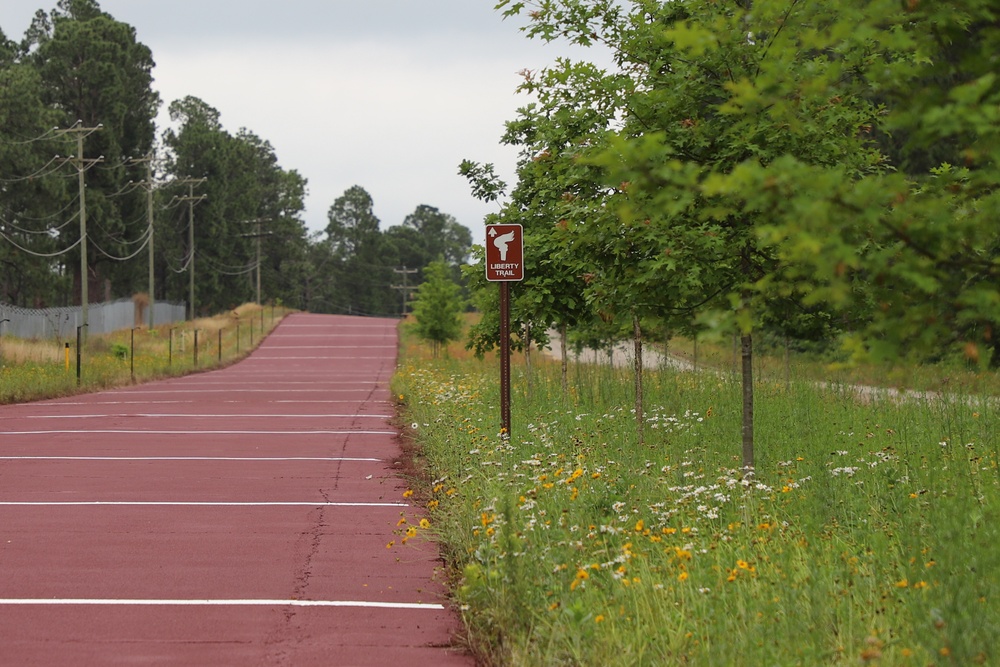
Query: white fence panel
[[61, 323]]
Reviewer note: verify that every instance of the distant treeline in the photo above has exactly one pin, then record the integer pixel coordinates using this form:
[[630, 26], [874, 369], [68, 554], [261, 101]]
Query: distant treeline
[[206, 200]]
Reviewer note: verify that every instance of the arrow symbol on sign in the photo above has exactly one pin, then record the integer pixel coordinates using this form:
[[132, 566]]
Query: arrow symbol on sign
[[493, 232]]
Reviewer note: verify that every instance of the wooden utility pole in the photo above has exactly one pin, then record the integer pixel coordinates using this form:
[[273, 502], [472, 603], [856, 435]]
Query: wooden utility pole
[[148, 186], [258, 234], [82, 165], [405, 288], [191, 201]]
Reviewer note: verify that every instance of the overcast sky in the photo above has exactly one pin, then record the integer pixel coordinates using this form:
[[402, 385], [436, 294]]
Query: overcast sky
[[387, 94]]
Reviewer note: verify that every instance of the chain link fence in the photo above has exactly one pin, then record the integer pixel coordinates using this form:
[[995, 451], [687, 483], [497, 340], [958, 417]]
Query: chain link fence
[[61, 323]]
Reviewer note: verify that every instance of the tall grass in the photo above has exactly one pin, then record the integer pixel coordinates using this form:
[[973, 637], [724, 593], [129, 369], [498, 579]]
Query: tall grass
[[867, 536], [37, 369]]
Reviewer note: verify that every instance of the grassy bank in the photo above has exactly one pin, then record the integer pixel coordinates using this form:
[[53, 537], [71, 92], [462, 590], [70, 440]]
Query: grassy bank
[[36, 369], [868, 535]]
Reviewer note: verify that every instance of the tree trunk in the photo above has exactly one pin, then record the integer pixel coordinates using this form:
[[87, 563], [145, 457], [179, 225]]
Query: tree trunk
[[640, 421], [527, 360], [565, 361], [747, 353], [746, 349]]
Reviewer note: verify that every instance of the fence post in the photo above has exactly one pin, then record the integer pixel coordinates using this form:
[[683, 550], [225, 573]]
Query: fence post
[[78, 352], [196, 348]]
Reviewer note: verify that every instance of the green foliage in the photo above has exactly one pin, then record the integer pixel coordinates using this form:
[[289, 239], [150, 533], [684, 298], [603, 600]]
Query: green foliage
[[438, 307], [78, 63], [870, 540], [28, 205], [249, 199], [95, 72], [364, 270]]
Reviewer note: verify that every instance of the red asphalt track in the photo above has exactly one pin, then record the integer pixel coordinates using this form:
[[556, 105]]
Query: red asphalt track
[[234, 517]]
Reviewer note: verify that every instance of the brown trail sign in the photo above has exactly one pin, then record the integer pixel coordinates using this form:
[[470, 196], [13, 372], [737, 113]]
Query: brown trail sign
[[504, 253], [504, 264]]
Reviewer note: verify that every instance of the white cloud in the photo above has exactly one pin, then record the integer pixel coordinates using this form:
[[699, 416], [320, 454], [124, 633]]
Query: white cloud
[[387, 94], [394, 120]]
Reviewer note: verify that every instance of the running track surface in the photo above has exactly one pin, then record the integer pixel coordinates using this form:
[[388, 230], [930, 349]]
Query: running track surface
[[235, 517]]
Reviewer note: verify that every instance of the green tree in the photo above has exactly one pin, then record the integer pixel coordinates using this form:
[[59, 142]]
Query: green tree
[[686, 123], [95, 72], [360, 279], [922, 240], [438, 307], [426, 235], [34, 201], [250, 201]]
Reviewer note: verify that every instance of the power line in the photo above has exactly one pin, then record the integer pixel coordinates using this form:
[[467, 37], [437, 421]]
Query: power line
[[39, 254], [29, 218], [144, 240], [58, 161], [39, 232], [47, 135]]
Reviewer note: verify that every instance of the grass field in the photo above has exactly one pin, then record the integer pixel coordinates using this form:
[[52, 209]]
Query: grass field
[[868, 536], [36, 369]]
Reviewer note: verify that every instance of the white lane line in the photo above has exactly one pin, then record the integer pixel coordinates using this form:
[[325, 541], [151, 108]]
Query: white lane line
[[325, 380], [241, 391], [151, 432], [193, 401], [331, 347], [258, 357], [61, 403], [179, 503], [325, 336], [303, 400], [222, 603], [194, 458], [335, 325], [201, 416]]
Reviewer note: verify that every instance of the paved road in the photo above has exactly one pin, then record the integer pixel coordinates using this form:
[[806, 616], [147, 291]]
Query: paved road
[[236, 517]]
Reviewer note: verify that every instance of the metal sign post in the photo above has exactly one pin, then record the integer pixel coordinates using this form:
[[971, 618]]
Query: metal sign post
[[504, 264]]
